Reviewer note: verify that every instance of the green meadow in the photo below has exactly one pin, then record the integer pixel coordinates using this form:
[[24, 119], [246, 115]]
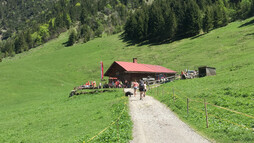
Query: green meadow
[[34, 86]]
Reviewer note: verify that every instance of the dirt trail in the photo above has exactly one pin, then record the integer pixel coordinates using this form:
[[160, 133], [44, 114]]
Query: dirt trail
[[155, 123]]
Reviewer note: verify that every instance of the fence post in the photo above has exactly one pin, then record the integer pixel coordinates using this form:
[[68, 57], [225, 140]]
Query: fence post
[[117, 130], [162, 91], [187, 106], [174, 95], [206, 115]]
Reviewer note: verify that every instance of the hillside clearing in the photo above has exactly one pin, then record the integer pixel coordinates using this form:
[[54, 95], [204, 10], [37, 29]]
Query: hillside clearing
[[34, 85]]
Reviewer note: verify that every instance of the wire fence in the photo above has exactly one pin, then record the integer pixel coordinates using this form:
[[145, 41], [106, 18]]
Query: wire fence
[[111, 124], [186, 100]]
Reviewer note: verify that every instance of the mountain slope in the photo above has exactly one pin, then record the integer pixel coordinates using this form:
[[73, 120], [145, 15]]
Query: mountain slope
[[42, 78]]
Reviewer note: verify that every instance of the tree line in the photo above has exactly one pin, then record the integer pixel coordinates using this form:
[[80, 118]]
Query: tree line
[[87, 19], [167, 20]]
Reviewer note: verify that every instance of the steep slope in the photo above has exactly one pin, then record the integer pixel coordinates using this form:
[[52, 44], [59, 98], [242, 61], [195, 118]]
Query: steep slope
[[42, 78]]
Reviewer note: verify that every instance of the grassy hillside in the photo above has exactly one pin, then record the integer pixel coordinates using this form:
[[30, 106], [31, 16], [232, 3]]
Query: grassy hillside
[[34, 89], [34, 86]]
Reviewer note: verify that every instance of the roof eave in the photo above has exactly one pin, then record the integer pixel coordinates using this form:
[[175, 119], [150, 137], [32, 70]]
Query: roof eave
[[149, 72]]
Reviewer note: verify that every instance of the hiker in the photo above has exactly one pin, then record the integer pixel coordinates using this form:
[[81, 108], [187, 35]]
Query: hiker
[[135, 86], [145, 84], [128, 84], [91, 84], [121, 84], [94, 84], [141, 89], [125, 84], [112, 84], [87, 85], [117, 84]]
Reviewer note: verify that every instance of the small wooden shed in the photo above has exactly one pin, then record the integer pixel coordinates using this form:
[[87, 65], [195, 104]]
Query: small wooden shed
[[206, 71]]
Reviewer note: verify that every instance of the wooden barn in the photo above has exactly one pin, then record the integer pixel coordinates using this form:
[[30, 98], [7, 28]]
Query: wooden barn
[[206, 71], [131, 71]]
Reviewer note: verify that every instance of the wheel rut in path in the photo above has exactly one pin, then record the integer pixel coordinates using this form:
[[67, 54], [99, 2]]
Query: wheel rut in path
[[155, 123]]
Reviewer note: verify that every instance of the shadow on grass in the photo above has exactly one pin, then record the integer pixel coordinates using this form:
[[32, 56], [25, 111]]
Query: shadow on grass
[[247, 23], [197, 36], [150, 42], [66, 44], [249, 34]]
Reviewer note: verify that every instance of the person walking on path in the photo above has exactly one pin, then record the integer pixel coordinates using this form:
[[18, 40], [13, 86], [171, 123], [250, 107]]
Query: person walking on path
[[135, 86], [141, 89], [145, 84]]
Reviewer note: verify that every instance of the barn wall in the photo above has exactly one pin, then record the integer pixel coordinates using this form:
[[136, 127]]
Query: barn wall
[[210, 71]]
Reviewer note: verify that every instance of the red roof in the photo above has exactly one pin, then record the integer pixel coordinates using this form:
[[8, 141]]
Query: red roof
[[135, 67]]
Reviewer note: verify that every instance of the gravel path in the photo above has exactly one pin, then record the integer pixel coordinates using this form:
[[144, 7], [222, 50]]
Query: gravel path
[[155, 123]]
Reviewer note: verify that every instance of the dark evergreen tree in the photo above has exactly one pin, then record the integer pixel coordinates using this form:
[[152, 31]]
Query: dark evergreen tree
[[217, 20], [86, 34], [224, 18], [207, 21], [9, 48], [72, 38], [1, 56], [156, 23], [170, 24], [202, 4], [59, 21], [29, 40], [67, 20], [252, 8], [192, 19], [130, 27], [140, 29], [20, 44], [52, 28], [83, 16]]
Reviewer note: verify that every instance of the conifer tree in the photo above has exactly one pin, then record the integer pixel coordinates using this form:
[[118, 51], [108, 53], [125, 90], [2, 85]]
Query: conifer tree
[[29, 40], [1, 56], [192, 19], [156, 23], [20, 44], [252, 8], [217, 22], [67, 20], [86, 33], [9, 48], [201, 4], [140, 28], [83, 16], [51, 27], [72, 38], [170, 24], [130, 27], [207, 21]]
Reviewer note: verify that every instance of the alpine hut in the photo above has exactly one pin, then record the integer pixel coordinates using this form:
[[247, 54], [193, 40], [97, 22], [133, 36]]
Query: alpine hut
[[131, 71]]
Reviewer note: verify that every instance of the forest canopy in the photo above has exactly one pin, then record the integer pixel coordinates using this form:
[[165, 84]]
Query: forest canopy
[[171, 19]]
